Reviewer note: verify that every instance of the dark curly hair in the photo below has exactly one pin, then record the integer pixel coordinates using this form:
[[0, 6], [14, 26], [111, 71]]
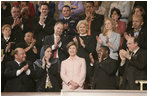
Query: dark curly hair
[[117, 11]]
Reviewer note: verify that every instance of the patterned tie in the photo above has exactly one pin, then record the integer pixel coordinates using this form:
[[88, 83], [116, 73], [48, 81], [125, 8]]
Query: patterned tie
[[7, 40], [48, 82]]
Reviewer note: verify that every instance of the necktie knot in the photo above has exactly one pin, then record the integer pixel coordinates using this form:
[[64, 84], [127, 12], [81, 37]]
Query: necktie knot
[[136, 30], [132, 54], [7, 40]]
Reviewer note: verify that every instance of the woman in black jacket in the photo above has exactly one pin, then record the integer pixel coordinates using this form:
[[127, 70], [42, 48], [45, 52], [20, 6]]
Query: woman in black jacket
[[47, 75]]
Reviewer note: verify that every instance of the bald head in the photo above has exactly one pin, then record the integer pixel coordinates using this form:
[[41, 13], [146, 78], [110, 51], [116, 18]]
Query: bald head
[[20, 54], [137, 21]]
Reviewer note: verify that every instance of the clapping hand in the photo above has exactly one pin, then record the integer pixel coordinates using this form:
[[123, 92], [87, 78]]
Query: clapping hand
[[124, 54], [127, 36], [88, 14], [100, 56], [74, 7], [75, 40], [57, 41], [8, 47], [91, 58], [32, 43], [121, 53], [42, 19], [17, 21], [107, 39], [24, 68]]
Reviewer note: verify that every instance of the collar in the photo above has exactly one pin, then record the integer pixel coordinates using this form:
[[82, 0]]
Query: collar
[[73, 57], [135, 51], [17, 62], [137, 30], [54, 36], [83, 34], [104, 58], [6, 38], [46, 16], [67, 18]]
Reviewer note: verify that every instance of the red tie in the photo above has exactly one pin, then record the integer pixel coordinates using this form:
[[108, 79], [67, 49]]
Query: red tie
[[55, 53]]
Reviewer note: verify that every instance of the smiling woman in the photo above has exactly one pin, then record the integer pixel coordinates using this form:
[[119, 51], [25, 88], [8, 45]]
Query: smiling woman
[[73, 69]]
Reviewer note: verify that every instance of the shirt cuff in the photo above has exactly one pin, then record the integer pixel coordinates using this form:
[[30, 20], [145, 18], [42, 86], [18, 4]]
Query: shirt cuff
[[18, 72], [42, 25], [28, 72], [53, 47], [48, 65], [60, 44], [122, 63], [22, 26], [91, 64]]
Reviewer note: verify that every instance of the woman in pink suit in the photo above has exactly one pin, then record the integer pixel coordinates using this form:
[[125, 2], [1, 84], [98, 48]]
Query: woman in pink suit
[[73, 69]]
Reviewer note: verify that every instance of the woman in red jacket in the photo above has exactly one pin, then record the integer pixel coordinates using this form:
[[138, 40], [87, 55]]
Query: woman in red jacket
[[120, 25]]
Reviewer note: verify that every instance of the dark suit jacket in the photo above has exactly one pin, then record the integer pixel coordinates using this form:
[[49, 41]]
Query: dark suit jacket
[[104, 74], [142, 38], [5, 12], [90, 47], [8, 57], [40, 32], [135, 69], [62, 52], [21, 83], [17, 32], [72, 23], [9, 54], [41, 75], [96, 23]]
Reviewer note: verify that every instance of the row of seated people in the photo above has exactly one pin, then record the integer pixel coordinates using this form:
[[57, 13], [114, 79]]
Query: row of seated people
[[32, 9], [43, 25], [85, 34], [44, 76]]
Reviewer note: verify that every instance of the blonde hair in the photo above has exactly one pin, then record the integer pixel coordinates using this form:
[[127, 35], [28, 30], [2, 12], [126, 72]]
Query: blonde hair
[[82, 22], [113, 23], [6, 25]]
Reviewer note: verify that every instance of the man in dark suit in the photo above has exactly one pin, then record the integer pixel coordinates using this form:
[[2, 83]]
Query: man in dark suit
[[138, 31], [43, 25], [69, 23], [95, 19], [134, 64], [18, 24], [105, 70], [19, 73], [58, 42]]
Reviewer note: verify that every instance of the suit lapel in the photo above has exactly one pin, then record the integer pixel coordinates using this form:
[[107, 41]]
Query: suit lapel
[[52, 39], [135, 55]]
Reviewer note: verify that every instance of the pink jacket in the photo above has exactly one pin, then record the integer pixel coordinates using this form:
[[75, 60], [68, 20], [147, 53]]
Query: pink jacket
[[75, 70]]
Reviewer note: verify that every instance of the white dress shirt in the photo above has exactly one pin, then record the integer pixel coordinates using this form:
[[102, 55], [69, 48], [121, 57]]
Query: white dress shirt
[[18, 72]]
